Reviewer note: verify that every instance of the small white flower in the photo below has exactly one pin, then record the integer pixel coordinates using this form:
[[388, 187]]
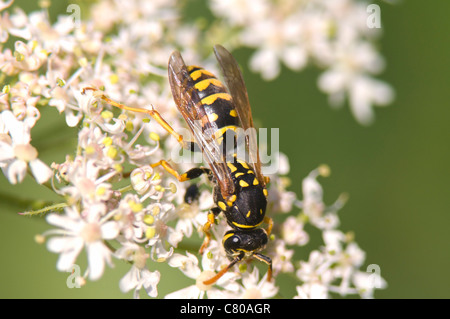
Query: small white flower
[[85, 184], [16, 152], [316, 270], [319, 214], [274, 41], [366, 283], [189, 266], [293, 233], [312, 291], [139, 276], [347, 260], [241, 12], [312, 203], [364, 93], [280, 199], [130, 214], [23, 102], [348, 76], [142, 179], [333, 240], [5, 4], [158, 232], [77, 233], [254, 288], [281, 257]]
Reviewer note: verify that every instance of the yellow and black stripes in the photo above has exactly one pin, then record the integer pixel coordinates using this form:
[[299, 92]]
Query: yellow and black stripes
[[216, 100]]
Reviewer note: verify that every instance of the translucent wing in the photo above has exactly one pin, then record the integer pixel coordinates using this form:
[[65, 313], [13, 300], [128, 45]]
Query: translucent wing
[[191, 107], [236, 86]]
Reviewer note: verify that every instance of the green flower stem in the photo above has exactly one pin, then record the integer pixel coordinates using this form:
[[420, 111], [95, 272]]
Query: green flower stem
[[57, 207]]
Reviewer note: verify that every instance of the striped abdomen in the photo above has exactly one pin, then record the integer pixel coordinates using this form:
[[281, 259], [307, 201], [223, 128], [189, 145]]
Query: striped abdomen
[[218, 104]]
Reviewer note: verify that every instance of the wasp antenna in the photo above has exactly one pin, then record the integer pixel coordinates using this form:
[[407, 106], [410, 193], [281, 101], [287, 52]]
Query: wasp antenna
[[212, 280], [224, 270]]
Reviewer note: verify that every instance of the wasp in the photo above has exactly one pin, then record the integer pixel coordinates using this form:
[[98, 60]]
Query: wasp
[[212, 110]]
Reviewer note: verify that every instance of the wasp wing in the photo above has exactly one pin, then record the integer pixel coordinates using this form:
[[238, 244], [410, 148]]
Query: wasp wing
[[236, 86], [190, 106]]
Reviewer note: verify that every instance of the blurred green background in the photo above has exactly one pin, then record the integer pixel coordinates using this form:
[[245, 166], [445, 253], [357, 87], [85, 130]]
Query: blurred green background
[[395, 171]]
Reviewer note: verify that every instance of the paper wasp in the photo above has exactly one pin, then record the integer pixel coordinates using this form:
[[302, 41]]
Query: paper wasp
[[211, 111]]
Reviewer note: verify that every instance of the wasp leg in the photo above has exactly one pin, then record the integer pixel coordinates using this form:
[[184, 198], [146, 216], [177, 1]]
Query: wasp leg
[[269, 222], [211, 217], [169, 169], [196, 172], [224, 270], [152, 112], [268, 261], [190, 174]]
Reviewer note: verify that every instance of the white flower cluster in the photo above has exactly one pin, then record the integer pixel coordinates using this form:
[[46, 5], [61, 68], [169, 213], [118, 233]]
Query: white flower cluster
[[335, 267], [116, 205], [334, 35]]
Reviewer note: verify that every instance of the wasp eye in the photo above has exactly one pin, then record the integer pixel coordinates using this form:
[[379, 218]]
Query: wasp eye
[[232, 242]]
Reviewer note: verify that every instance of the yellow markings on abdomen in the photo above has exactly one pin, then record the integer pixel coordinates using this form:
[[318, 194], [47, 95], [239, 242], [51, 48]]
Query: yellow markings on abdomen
[[243, 163], [232, 167], [220, 132], [197, 74], [192, 67], [213, 97], [203, 85]]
